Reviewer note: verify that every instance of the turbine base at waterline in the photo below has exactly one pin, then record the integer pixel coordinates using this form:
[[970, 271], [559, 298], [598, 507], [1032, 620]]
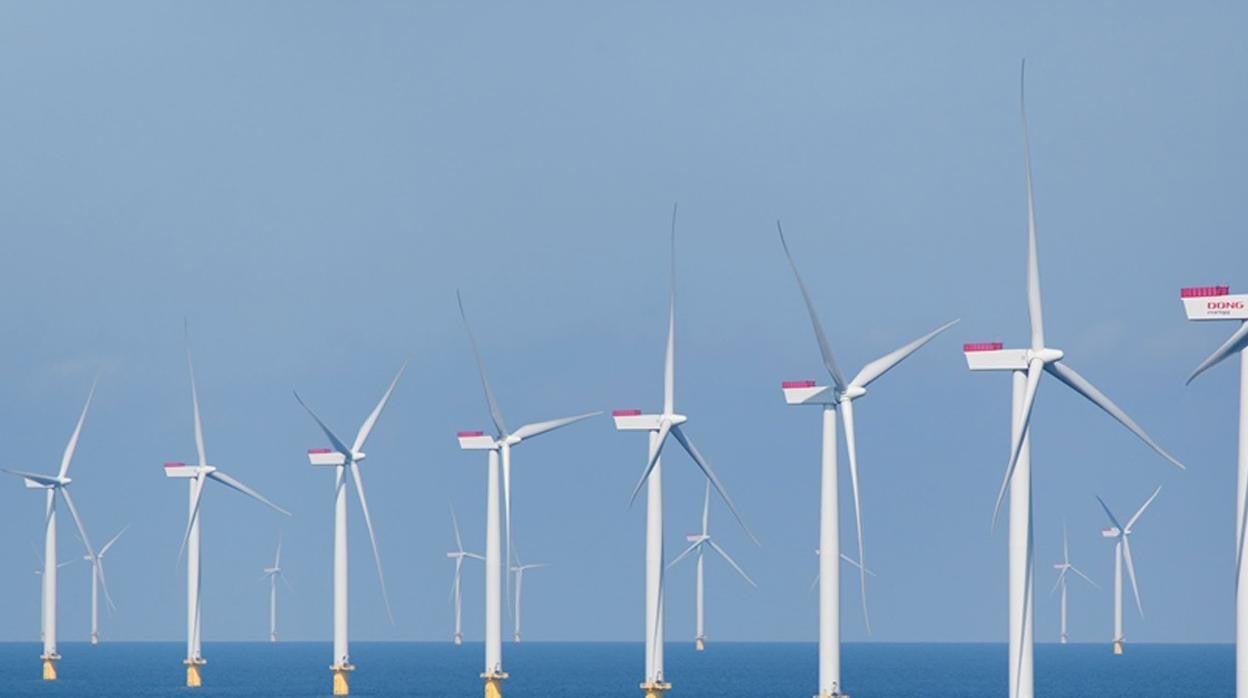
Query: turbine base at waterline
[[342, 684], [194, 675], [655, 689], [49, 666], [494, 683]]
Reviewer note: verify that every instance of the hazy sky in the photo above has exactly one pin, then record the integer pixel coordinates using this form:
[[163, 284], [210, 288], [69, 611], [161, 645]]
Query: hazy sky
[[308, 183]]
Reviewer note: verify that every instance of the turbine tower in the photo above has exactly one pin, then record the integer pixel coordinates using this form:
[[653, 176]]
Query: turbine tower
[[659, 426], [1217, 303], [457, 586], [698, 543], [518, 570], [501, 442], [345, 460], [1122, 551], [272, 574], [39, 574], [1026, 367], [840, 397], [53, 485], [197, 476], [1063, 568], [97, 575]]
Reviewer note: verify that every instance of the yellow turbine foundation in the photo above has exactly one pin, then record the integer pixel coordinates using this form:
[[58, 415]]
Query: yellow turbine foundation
[[49, 666], [832, 695], [656, 689], [699, 645], [342, 687], [494, 684], [194, 679], [1117, 646]]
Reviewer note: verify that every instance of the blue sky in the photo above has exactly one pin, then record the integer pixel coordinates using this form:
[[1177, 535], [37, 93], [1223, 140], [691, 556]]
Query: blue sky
[[309, 183]]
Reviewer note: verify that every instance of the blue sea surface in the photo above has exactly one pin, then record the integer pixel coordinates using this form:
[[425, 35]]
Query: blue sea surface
[[588, 670]]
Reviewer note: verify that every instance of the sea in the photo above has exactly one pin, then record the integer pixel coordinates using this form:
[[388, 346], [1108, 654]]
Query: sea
[[602, 669]]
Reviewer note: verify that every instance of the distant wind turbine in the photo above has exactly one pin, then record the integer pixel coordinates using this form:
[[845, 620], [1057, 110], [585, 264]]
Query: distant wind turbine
[[1063, 568], [97, 576], [659, 426], [197, 477], [840, 397], [698, 543], [1121, 536], [344, 460], [518, 569], [273, 574], [457, 586], [53, 485]]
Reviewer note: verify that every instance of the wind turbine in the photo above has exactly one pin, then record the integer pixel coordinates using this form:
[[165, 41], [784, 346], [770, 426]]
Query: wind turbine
[[518, 570], [54, 484], [1122, 550], [272, 574], [502, 441], [344, 459], [659, 427], [1026, 367], [698, 543], [1217, 303], [197, 476], [1063, 568], [457, 588], [840, 397], [97, 576]]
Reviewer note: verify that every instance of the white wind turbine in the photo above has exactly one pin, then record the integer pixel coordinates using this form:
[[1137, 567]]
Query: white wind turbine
[[1122, 550], [272, 574], [659, 427], [698, 543], [1217, 303], [1027, 366], [344, 459], [197, 477], [518, 570], [97, 576], [457, 586], [54, 484], [1063, 568], [502, 442], [840, 397]]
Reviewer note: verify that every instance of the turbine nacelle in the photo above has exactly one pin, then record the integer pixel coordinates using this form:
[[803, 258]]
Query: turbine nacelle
[[476, 441], [183, 470], [1113, 532], [634, 420], [330, 457], [1214, 303]]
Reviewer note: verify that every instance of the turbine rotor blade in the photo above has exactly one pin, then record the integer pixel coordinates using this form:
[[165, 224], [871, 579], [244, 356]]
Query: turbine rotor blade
[[825, 349], [46, 480], [847, 416], [1060, 578], [194, 515], [706, 507], [459, 542], [367, 427], [372, 538], [495, 414], [1126, 554], [732, 562], [882, 365], [339, 446], [684, 554], [1079, 384], [669, 353], [528, 431], [665, 426], [1231, 346], [1136, 516], [109, 544], [236, 485], [1110, 514], [199, 425], [1085, 577], [1034, 308], [1034, 368], [710, 475], [73, 439]]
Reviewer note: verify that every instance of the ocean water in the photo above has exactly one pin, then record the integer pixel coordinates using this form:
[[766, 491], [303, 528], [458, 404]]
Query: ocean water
[[588, 670]]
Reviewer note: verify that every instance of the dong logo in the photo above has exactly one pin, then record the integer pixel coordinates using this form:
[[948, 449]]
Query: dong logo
[[1224, 305]]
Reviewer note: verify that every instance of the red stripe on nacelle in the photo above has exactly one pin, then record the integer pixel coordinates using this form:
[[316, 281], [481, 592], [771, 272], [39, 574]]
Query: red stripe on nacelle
[[462, 434], [320, 450], [983, 346], [797, 384], [175, 465], [1204, 291], [625, 413]]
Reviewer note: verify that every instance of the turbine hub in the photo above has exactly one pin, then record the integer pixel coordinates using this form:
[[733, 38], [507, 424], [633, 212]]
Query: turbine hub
[[853, 392], [1046, 355]]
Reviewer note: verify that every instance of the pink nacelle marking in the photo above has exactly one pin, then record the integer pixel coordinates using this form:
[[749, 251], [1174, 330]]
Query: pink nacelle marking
[[625, 413]]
